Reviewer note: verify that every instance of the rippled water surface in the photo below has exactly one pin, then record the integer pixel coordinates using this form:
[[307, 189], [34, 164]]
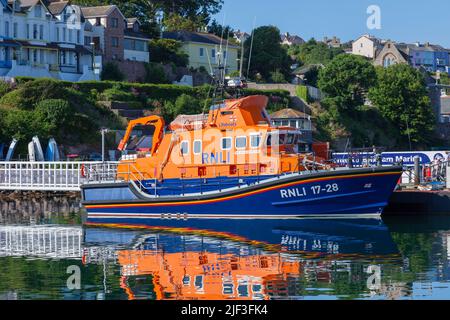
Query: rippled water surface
[[395, 258]]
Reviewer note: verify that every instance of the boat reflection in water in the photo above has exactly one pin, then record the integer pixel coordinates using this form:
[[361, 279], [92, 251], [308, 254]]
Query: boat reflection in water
[[240, 259]]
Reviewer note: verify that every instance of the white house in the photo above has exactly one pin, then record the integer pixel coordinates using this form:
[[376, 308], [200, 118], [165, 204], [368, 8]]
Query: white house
[[367, 46], [44, 41]]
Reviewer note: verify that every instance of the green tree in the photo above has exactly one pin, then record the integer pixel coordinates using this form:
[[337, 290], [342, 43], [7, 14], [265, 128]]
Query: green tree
[[346, 81], [277, 77], [313, 52], [112, 72], [268, 55], [220, 31], [155, 73], [54, 117], [148, 11], [168, 51], [402, 97], [175, 22], [185, 104]]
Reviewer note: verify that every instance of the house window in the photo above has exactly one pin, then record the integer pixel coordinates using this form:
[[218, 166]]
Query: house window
[[115, 42], [227, 143], [70, 35], [98, 21], [63, 30], [224, 55], [41, 32], [202, 52], [57, 34], [78, 36], [114, 22], [184, 148], [213, 54], [35, 56], [41, 54], [37, 11], [87, 41], [197, 147], [28, 31], [241, 142], [15, 29], [7, 29]]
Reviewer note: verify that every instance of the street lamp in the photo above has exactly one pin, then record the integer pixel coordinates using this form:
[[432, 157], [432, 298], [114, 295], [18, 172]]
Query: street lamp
[[103, 131], [93, 55]]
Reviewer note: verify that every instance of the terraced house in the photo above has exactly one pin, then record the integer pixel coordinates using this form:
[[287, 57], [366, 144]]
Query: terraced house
[[43, 39]]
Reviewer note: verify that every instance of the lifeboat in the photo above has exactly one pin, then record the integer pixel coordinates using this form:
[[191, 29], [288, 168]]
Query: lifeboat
[[229, 163]]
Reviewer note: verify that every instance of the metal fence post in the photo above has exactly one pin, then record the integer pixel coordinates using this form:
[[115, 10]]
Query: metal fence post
[[416, 171]]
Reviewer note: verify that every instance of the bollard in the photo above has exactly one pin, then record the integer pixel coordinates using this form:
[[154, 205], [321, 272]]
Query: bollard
[[447, 176], [416, 171]]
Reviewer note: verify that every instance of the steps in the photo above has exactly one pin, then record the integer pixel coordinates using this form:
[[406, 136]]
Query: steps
[[123, 109]]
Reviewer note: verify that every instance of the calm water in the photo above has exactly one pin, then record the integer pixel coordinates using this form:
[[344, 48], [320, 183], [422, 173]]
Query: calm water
[[398, 258]]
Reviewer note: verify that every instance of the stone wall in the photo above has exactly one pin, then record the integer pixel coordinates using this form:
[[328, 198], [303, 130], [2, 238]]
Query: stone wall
[[20, 207], [134, 71]]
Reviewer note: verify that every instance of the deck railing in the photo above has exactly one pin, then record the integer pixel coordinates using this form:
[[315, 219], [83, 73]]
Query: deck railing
[[51, 176]]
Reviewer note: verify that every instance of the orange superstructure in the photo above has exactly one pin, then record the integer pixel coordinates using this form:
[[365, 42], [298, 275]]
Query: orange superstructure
[[235, 139]]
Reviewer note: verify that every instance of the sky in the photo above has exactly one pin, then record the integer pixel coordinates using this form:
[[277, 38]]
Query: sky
[[401, 20]]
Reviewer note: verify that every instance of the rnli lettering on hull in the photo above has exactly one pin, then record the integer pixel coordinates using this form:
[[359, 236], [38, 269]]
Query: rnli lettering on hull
[[293, 193], [214, 158]]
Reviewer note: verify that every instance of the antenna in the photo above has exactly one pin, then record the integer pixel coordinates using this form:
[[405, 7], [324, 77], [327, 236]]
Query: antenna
[[209, 62], [242, 59], [251, 48], [226, 58]]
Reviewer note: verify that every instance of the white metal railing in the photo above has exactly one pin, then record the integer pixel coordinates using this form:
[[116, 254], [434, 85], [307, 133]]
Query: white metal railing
[[41, 241], [48, 176]]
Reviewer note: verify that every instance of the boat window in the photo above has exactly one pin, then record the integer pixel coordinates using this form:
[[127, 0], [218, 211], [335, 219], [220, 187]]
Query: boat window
[[290, 138], [198, 147], [275, 139], [227, 143], [255, 141], [184, 147], [241, 142]]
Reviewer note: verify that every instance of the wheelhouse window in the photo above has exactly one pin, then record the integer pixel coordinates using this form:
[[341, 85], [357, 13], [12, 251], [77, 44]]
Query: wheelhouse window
[[255, 140], [241, 142], [197, 147], [227, 143], [184, 148]]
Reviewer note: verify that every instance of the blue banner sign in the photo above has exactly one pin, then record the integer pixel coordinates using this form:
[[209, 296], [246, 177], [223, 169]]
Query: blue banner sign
[[390, 158]]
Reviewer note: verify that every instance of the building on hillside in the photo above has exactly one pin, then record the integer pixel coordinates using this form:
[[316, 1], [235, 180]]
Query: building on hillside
[[432, 58], [367, 46], [241, 36], [43, 39], [392, 53], [106, 31], [136, 43], [334, 42], [296, 119], [118, 39], [289, 40], [203, 50]]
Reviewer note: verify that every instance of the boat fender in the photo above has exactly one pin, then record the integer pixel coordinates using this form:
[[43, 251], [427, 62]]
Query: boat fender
[[83, 171]]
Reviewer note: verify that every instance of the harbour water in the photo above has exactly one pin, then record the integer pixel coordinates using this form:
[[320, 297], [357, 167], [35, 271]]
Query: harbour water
[[53, 256]]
